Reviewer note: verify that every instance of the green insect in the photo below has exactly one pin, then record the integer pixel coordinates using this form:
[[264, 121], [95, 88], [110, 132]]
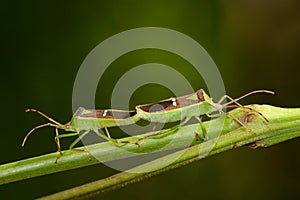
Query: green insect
[[192, 106], [170, 110], [87, 120]]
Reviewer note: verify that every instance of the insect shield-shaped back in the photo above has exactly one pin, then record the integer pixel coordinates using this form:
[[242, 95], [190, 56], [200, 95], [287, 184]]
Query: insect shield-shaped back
[[88, 119], [175, 109]]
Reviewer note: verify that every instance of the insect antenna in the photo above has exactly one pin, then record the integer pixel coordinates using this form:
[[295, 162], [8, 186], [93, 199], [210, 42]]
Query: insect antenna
[[238, 105], [42, 114], [246, 95]]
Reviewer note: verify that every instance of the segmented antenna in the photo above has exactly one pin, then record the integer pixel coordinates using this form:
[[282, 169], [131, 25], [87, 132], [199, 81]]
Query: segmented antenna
[[246, 95]]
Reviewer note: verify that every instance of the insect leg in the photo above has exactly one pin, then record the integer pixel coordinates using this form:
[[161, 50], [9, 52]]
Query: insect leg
[[57, 141], [202, 128], [66, 135], [231, 100], [238, 105], [57, 137], [232, 117], [226, 105], [164, 132], [251, 109], [108, 138], [38, 127], [214, 115], [77, 140], [154, 127], [107, 133], [241, 123]]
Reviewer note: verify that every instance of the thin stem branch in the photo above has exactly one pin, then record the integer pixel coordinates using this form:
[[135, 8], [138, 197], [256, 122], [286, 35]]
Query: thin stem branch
[[284, 125], [225, 142]]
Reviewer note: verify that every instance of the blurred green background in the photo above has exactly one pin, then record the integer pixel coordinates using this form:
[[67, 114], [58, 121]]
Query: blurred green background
[[255, 45]]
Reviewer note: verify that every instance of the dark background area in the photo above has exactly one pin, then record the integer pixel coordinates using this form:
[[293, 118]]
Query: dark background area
[[255, 45]]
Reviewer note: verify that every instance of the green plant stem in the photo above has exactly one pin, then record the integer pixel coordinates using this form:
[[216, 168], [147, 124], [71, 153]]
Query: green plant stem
[[229, 141], [284, 124], [104, 152]]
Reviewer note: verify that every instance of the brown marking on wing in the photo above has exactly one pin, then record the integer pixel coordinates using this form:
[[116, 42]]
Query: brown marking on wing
[[200, 95], [166, 105], [110, 114], [162, 105]]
